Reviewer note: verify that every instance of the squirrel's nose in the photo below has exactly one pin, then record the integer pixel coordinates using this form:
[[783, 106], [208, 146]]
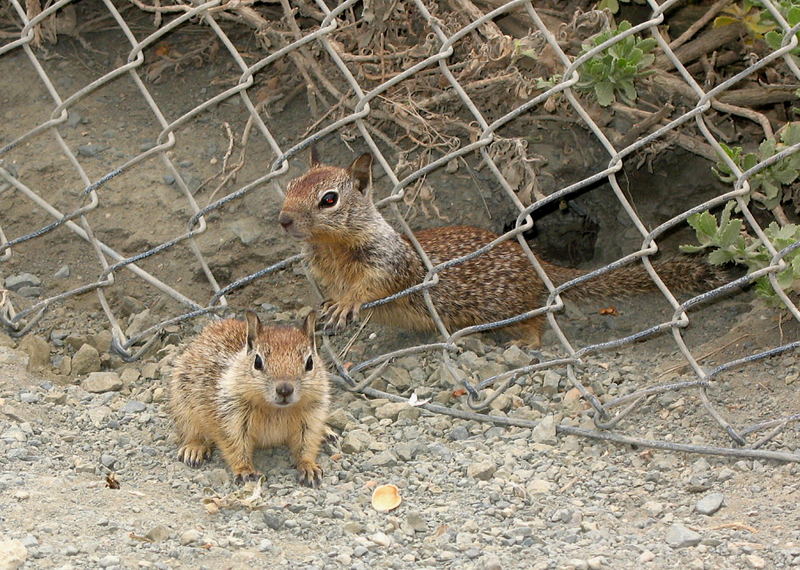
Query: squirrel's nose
[[284, 390], [285, 220]]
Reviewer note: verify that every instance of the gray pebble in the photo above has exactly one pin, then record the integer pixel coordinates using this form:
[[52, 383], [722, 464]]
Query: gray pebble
[[545, 431], [219, 477], [159, 533], [383, 459], [133, 406], [709, 504], [108, 460], [109, 560], [91, 149], [274, 519], [16, 282], [459, 433], [63, 272], [678, 536], [247, 229], [190, 536]]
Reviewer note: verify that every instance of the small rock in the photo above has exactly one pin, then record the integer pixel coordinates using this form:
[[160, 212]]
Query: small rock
[[416, 522], [339, 418], [98, 382], [390, 410], [459, 433], [678, 536], [91, 149], [491, 563], [150, 370], [108, 460], [12, 554], [383, 459], [517, 357], [190, 536], [62, 273], [247, 229], [405, 451], [381, 539], [6, 341], [755, 561], [99, 415], [653, 508], [129, 376], [646, 556], [138, 323], [595, 562], [159, 395], [102, 341], [709, 504], [159, 533], [356, 441], [398, 377], [550, 383], [38, 351], [132, 406], [482, 470], [108, 560], [86, 360], [274, 519], [539, 486], [17, 282], [56, 397], [545, 431], [219, 477]]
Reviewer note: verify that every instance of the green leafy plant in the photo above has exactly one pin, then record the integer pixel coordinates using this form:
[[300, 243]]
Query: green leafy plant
[[613, 5], [730, 244], [759, 22], [612, 72], [791, 11], [766, 185], [750, 14]]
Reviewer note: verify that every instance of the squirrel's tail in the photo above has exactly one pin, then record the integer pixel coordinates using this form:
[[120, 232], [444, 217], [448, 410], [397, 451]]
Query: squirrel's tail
[[679, 274]]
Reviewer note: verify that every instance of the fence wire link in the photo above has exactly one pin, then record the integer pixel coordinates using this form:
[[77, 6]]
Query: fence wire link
[[608, 415]]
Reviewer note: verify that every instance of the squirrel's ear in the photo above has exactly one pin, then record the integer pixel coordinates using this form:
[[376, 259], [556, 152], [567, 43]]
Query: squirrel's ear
[[361, 173], [309, 325], [313, 156], [253, 327]]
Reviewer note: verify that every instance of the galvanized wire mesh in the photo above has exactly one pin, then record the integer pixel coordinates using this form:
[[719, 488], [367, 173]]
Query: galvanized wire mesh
[[111, 262]]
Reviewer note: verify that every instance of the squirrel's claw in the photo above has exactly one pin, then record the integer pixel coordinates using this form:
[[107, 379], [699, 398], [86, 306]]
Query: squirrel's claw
[[194, 454], [245, 476], [338, 315], [309, 475]]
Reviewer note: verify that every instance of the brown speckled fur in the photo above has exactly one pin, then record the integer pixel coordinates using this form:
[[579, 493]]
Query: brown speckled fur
[[357, 257], [218, 397]]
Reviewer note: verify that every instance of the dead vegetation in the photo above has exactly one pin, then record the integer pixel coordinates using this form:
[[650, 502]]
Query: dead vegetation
[[429, 96]]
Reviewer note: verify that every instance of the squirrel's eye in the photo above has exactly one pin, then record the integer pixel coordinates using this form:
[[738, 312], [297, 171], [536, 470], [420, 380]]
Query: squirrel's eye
[[328, 200], [258, 363], [309, 363]]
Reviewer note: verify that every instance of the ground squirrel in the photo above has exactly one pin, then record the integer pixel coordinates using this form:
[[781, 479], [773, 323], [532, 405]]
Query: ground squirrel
[[356, 257], [242, 386]]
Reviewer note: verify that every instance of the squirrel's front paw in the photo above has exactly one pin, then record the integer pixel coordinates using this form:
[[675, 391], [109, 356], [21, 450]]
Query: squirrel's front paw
[[309, 474], [338, 315]]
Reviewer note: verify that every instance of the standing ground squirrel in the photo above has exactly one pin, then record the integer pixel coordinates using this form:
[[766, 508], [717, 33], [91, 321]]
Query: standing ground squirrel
[[242, 386], [357, 257]]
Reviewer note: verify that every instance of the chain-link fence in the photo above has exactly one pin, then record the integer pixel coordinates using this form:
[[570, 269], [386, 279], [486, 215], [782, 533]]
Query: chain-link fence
[[357, 114]]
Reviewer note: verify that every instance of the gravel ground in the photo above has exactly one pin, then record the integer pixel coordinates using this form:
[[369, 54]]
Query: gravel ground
[[474, 495]]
